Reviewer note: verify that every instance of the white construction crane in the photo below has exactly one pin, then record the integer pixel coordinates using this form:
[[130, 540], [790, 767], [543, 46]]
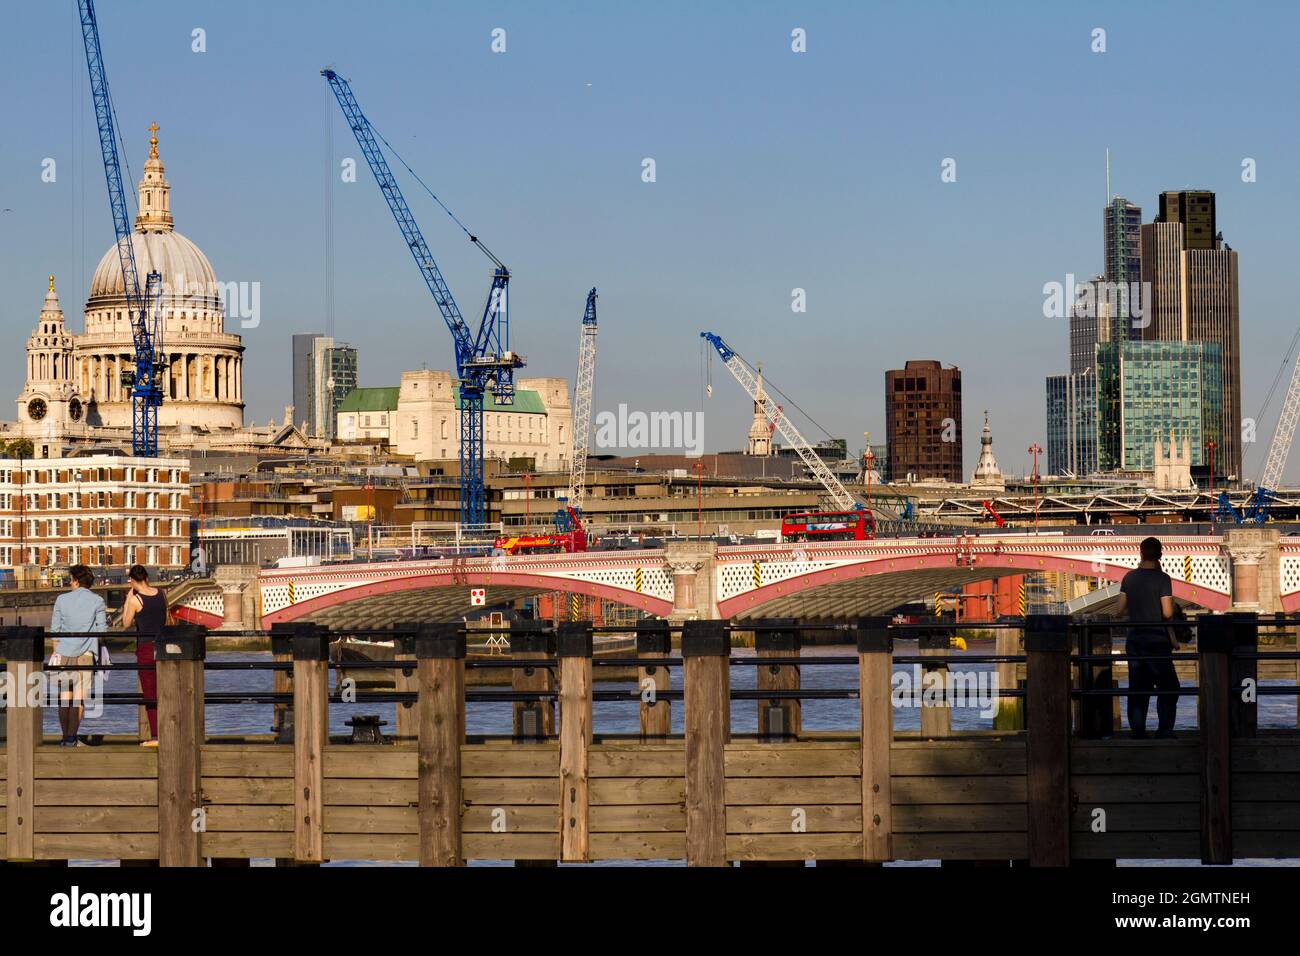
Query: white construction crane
[[740, 371], [584, 383], [1283, 435]]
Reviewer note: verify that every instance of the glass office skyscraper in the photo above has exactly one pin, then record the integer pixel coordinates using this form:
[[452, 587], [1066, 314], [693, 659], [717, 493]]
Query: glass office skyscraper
[[1148, 391]]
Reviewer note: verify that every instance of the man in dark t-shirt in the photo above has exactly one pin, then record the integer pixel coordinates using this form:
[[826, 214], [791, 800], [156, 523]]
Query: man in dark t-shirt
[[1146, 597]]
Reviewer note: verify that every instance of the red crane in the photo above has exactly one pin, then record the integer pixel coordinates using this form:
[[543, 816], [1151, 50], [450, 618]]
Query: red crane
[[991, 512]]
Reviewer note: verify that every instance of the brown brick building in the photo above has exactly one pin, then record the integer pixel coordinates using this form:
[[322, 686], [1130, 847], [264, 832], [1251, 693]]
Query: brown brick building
[[100, 510], [923, 421]]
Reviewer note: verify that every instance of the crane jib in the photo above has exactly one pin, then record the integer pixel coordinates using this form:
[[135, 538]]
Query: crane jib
[[483, 360], [812, 461]]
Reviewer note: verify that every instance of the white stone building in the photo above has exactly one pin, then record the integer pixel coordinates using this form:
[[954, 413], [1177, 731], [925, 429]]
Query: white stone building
[[1173, 471], [366, 415], [419, 419]]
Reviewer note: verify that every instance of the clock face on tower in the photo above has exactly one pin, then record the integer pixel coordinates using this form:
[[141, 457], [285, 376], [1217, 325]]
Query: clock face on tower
[[36, 409], [74, 409]]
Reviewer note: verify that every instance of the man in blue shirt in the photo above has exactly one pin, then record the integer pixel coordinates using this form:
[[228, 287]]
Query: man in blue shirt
[[78, 613]]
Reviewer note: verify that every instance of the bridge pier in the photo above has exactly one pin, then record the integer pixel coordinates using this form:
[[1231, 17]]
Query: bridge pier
[[1255, 564], [694, 569], [238, 605]]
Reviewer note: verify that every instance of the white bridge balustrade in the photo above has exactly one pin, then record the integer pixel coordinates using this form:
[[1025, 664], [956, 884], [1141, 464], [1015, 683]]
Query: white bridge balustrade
[[1248, 569]]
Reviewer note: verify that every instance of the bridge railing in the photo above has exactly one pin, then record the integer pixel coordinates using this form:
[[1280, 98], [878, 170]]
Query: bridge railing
[[1055, 785]]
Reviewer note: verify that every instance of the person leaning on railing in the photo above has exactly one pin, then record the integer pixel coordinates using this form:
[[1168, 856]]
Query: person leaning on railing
[[1147, 597], [146, 608], [79, 612]]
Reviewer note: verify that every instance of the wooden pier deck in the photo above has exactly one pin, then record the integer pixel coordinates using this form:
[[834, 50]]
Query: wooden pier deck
[[1045, 794]]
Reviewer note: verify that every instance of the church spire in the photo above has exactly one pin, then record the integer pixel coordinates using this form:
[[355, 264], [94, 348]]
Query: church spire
[[987, 472], [760, 432], [154, 198]]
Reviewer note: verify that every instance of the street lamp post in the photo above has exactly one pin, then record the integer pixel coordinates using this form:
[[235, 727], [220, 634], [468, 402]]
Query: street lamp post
[[370, 513], [699, 500], [1210, 446], [1035, 451], [528, 502]]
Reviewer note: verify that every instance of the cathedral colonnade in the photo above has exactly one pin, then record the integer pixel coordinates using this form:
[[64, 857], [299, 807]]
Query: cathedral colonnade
[[191, 376]]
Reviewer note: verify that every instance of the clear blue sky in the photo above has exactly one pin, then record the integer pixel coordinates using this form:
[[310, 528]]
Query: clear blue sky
[[775, 170]]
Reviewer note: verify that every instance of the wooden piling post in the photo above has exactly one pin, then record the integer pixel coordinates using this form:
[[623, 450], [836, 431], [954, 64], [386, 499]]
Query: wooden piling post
[[936, 719], [1244, 669], [574, 649], [1214, 642], [406, 721], [778, 717], [706, 684], [24, 653], [282, 681], [533, 719], [180, 653], [1010, 714], [1096, 712], [875, 677], [310, 735], [654, 642], [440, 654], [1047, 716]]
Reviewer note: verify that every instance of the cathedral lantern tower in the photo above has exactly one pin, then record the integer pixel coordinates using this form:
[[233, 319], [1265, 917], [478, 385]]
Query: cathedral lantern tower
[[49, 402]]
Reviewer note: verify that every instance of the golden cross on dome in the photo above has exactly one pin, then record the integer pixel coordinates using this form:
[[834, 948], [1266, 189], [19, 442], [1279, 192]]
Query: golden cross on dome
[[153, 140], [51, 283]]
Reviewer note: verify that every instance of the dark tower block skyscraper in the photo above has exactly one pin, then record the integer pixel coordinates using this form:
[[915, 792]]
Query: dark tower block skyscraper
[[1194, 298], [923, 421], [1195, 210]]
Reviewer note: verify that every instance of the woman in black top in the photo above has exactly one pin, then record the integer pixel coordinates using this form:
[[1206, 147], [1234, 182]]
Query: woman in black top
[[146, 608]]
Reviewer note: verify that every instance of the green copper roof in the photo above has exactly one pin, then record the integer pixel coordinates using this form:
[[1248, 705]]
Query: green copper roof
[[527, 402], [370, 400]]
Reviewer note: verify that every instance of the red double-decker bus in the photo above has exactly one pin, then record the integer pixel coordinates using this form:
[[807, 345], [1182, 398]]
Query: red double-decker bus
[[828, 526]]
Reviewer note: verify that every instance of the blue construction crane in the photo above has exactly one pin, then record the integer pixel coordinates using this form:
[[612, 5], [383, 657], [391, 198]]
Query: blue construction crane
[[1225, 513], [146, 333], [483, 360]]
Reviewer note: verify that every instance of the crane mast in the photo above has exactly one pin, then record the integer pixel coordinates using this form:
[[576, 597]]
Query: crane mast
[[1261, 500], [483, 359], [776, 416], [146, 336], [1284, 434], [585, 382]]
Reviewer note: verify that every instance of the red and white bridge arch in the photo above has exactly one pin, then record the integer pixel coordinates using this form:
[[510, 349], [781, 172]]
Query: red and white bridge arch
[[374, 595], [849, 578]]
